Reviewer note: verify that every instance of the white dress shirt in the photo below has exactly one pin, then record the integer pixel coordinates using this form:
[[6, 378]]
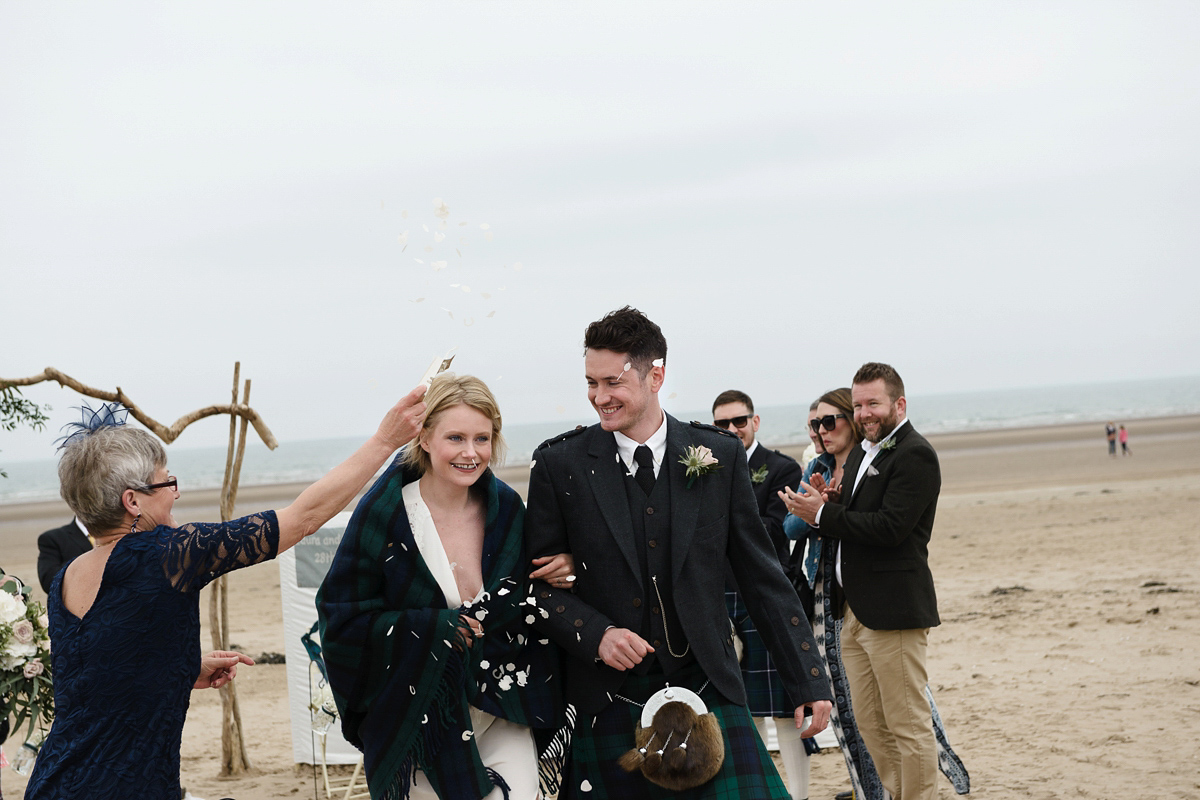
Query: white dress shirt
[[657, 444]]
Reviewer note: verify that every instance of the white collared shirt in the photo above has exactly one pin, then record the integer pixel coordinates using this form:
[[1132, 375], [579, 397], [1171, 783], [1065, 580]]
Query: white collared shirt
[[871, 450], [750, 450], [657, 444]]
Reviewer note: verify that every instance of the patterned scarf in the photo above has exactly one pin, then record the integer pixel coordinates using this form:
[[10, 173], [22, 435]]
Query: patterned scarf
[[399, 673]]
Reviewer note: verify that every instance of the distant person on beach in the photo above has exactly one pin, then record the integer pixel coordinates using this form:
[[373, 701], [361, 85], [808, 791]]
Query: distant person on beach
[[437, 675], [59, 547], [1123, 437], [1110, 433], [652, 509], [125, 617], [880, 517], [770, 472]]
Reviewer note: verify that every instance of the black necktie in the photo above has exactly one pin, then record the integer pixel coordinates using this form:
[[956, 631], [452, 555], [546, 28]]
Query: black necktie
[[645, 473]]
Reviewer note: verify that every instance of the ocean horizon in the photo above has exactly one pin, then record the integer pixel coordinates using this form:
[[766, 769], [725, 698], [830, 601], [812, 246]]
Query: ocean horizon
[[304, 461]]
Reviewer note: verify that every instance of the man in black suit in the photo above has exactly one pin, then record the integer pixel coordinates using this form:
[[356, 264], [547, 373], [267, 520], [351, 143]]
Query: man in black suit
[[770, 472], [650, 543], [59, 547], [882, 518]]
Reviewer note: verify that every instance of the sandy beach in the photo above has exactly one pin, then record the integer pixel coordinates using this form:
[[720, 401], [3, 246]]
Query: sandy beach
[[1067, 664]]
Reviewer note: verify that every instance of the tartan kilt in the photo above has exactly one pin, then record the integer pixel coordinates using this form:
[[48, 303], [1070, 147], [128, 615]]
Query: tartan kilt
[[765, 695], [748, 771]]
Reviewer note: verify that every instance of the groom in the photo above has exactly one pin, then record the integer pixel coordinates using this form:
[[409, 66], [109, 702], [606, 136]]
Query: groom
[[651, 544]]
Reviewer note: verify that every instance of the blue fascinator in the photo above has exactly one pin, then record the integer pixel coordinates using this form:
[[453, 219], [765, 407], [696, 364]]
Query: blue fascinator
[[108, 415]]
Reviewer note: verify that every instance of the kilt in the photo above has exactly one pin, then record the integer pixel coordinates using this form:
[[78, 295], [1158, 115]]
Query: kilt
[[747, 772], [765, 695]]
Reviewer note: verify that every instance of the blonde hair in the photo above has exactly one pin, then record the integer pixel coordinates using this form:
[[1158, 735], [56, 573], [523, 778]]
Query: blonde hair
[[447, 391]]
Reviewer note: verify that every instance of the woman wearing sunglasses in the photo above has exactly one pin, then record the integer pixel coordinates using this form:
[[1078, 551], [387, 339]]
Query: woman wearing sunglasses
[[125, 616], [833, 425]]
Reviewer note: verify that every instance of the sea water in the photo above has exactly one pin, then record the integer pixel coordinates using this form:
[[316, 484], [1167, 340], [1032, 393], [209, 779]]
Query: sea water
[[305, 461]]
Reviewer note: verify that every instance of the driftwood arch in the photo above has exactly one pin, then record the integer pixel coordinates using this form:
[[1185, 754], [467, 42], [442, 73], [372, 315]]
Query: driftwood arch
[[234, 759]]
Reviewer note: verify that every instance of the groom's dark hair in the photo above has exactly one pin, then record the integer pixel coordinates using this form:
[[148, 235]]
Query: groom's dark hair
[[628, 331]]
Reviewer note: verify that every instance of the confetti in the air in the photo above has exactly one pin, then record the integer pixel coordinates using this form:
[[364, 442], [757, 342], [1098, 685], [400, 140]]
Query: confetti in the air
[[671, 396], [491, 314], [586, 786], [466, 735], [483, 226], [403, 238], [658, 362], [440, 209], [439, 265], [485, 295], [425, 227], [437, 237]]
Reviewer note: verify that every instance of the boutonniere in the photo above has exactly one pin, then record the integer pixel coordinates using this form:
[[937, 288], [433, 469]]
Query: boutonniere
[[890, 444], [759, 475], [699, 460]]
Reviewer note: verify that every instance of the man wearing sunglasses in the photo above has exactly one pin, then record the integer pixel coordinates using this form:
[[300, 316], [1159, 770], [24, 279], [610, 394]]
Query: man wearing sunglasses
[[770, 472]]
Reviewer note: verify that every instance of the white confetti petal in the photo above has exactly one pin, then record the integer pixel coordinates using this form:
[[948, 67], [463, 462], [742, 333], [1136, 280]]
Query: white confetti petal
[[403, 238], [466, 735], [428, 248], [533, 463], [586, 786], [389, 633], [458, 251], [522, 679], [483, 226], [437, 237], [448, 311], [455, 285], [425, 227], [485, 295], [440, 209], [466, 288], [438, 265], [503, 591], [506, 683], [627, 367], [491, 314], [671, 396], [545, 614], [529, 620], [658, 362], [461, 224], [412, 690], [419, 261], [484, 664], [468, 322]]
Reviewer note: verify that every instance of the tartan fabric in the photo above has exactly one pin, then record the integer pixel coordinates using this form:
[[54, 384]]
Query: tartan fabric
[[747, 773], [401, 686], [765, 695]]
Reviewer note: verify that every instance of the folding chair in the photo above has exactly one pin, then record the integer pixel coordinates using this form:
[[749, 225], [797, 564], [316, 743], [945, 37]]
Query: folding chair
[[324, 714]]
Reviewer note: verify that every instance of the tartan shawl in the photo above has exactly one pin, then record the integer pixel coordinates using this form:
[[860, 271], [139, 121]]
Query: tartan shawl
[[389, 644]]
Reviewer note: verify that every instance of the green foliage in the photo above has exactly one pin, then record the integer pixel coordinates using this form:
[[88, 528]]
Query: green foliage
[[16, 410]]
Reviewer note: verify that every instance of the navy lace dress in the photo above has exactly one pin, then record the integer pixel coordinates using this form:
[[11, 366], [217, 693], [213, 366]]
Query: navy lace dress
[[123, 674]]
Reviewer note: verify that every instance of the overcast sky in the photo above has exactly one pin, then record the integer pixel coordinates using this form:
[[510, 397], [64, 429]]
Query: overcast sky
[[985, 195]]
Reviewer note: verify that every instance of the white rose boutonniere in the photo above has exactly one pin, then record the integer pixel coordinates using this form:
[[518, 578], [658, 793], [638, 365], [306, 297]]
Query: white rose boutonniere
[[699, 460], [890, 444]]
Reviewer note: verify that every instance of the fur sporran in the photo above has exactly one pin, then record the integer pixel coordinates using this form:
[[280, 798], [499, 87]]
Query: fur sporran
[[680, 749]]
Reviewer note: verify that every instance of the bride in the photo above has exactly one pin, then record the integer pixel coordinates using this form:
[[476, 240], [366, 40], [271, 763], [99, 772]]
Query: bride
[[438, 677]]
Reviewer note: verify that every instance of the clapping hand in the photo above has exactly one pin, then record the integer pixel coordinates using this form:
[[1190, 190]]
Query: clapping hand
[[830, 493], [804, 505]]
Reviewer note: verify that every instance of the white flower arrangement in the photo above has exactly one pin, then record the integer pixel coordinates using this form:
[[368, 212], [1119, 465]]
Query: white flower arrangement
[[26, 681], [698, 460]]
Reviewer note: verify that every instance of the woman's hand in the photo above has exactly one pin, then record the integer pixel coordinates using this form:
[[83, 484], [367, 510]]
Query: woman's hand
[[476, 629], [219, 667], [558, 571], [404, 421]]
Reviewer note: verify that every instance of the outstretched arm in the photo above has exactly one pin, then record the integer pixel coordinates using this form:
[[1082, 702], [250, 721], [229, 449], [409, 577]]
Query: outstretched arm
[[317, 504]]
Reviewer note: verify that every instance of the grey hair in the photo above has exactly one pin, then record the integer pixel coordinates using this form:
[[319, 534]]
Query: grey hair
[[97, 468]]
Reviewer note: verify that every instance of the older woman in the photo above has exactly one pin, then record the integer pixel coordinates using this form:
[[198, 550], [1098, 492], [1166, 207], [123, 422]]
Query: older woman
[[124, 617], [433, 559]]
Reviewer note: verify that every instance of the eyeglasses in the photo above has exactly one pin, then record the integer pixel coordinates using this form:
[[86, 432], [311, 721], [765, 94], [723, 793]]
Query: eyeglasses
[[737, 422], [829, 421], [171, 482]]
